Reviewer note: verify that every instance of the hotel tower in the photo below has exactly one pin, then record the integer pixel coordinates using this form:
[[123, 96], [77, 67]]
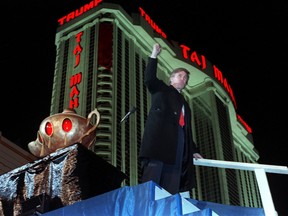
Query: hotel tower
[[101, 55]]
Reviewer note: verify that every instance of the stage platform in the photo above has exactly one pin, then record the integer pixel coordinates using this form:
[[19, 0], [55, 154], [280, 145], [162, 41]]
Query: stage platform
[[149, 199], [74, 181]]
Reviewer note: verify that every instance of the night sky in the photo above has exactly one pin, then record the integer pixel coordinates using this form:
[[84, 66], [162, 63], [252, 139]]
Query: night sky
[[247, 41]]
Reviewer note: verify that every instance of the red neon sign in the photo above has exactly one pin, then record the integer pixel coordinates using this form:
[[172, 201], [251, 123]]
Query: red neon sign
[[76, 79], [78, 12], [244, 124], [78, 49], [201, 62], [152, 23]]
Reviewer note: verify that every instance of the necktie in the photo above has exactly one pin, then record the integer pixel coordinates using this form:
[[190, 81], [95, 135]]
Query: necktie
[[181, 119]]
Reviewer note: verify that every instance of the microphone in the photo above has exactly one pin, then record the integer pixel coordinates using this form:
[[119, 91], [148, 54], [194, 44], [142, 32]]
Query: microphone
[[133, 109]]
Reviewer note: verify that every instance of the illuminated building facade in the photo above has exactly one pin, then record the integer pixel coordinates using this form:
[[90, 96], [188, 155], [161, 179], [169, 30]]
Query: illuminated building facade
[[101, 55]]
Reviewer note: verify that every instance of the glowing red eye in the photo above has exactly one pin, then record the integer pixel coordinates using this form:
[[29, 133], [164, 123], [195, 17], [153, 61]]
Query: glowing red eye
[[48, 129], [67, 125]]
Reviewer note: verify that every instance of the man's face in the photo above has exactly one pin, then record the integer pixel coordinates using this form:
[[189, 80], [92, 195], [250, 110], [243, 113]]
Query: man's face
[[179, 80]]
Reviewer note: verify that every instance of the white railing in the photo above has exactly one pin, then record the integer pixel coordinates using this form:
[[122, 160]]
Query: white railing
[[260, 172]]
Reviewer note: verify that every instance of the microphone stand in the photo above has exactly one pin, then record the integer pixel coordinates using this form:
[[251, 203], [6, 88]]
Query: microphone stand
[[132, 110]]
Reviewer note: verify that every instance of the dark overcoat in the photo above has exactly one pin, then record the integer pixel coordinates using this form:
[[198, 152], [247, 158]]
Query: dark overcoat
[[160, 136]]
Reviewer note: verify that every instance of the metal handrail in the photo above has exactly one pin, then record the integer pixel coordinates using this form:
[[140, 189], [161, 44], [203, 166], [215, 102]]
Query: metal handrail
[[260, 172]]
